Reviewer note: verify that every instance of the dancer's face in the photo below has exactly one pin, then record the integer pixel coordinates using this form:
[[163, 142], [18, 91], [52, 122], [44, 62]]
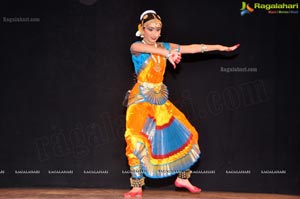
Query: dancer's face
[[152, 32]]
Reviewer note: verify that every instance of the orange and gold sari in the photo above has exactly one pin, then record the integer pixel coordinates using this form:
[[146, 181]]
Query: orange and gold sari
[[160, 140]]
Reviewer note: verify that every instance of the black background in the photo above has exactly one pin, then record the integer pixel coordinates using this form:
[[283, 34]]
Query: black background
[[63, 80]]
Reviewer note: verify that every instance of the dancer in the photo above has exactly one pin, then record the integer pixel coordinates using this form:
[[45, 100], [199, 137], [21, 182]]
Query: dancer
[[160, 140]]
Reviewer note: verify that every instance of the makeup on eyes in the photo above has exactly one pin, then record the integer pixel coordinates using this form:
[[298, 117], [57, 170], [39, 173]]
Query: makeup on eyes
[[153, 28]]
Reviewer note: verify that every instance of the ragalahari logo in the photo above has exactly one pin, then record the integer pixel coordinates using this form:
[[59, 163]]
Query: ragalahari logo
[[246, 9]]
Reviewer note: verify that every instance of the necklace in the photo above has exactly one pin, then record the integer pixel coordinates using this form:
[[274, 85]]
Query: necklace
[[157, 67]]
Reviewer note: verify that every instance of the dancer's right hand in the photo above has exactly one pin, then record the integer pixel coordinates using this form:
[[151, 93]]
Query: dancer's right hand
[[175, 58]]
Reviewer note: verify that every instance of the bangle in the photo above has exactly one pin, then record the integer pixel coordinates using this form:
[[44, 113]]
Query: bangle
[[203, 48], [178, 48], [168, 55]]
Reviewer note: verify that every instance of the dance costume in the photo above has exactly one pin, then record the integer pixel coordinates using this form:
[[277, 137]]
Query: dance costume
[[160, 140]]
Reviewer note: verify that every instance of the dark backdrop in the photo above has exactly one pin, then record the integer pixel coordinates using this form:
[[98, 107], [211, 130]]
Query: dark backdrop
[[63, 79]]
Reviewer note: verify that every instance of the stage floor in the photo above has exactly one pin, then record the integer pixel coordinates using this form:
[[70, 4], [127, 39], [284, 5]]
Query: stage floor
[[96, 193]]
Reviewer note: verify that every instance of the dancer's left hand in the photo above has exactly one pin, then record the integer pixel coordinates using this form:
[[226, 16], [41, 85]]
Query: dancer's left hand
[[229, 48]]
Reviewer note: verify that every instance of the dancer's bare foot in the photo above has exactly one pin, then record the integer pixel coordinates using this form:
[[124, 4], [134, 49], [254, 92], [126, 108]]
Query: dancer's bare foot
[[185, 183], [134, 192]]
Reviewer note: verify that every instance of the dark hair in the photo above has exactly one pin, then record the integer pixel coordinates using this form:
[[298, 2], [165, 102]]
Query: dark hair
[[150, 16]]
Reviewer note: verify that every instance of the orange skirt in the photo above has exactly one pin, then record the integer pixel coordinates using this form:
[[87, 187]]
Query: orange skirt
[[160, 140]]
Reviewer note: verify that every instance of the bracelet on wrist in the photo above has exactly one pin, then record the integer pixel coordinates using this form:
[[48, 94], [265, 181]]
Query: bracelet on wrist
[[203, 48], [168, 55]]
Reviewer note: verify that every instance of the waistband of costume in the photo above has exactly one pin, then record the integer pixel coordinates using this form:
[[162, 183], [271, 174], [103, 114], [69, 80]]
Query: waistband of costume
[[149, 84]]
